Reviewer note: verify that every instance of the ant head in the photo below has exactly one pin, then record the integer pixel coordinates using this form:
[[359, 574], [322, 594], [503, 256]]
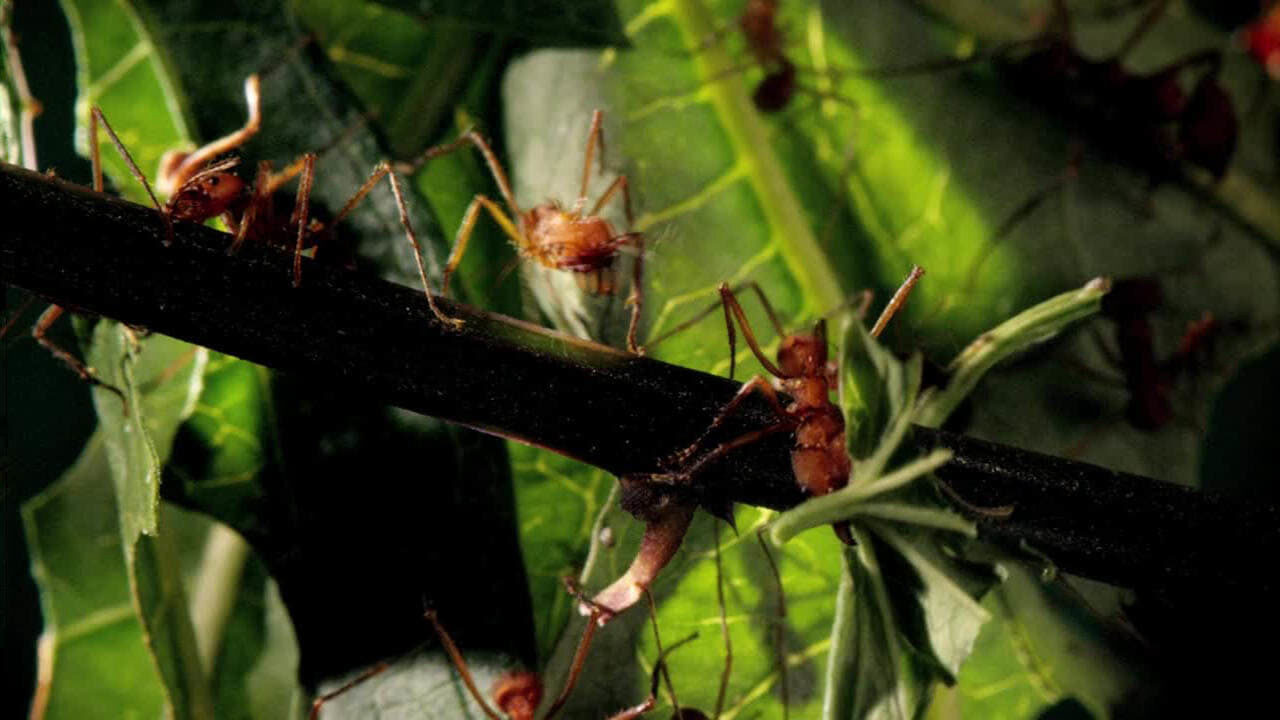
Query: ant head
[[517, 694], [804, 354], [207, 195], [689, 713]]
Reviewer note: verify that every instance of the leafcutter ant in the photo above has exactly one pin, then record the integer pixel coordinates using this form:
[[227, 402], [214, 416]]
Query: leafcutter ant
[[1147, 118], [1149, 380], [574, 239], [819, 459], [765, 41]]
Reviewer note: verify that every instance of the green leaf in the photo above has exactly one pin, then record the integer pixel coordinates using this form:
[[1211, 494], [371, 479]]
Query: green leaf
[[573, 22], [870, 674], [1029, 327], [120, 71], [161, 381], [94, 652]]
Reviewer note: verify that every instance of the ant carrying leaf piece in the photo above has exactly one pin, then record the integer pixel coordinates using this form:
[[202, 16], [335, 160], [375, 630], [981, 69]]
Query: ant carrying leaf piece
[[574, 239]]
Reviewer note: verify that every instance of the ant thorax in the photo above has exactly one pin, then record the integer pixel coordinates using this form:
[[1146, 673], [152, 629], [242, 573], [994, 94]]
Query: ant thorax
[[760, 29], [566, 240]]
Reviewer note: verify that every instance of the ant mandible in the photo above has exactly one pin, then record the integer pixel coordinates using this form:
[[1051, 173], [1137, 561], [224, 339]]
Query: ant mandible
[[572, 239]]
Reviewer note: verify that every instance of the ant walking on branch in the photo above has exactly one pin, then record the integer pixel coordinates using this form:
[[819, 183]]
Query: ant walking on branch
[[574, 239], [820, 458]]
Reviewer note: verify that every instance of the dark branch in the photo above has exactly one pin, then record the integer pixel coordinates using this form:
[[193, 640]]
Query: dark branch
[[621, 413]]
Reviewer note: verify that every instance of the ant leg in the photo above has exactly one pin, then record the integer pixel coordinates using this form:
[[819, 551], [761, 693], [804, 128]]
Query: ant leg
[[262, 192], [619, 183], [781, 635], [463, 237], [594, 137], [756, 384], [460, 664], [177, 167], [724, 626], [1144, 25], [659, 669], [96, 117], [749, 285], [598, 615], [301, 210], [657, 641], [636, 299], [731, 305], [86, 373], [320, 701], [495, 167], [896, 302]]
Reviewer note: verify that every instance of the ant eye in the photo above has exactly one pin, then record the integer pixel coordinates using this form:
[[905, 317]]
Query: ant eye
[[213, 180]]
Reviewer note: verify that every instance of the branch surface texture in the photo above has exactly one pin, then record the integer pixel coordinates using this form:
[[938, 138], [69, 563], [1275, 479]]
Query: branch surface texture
[[93, 253]]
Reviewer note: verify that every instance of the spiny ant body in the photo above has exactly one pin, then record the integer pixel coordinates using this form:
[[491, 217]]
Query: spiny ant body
[[572, 239]]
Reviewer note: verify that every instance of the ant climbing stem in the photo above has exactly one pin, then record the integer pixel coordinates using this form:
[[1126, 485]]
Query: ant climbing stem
[[550, 235]]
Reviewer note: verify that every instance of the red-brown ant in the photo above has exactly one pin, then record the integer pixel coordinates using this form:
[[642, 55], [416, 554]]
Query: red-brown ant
[[201, 189], [1148, 379], [766, 40], [820, 458], [1147, 118], [573, 239]]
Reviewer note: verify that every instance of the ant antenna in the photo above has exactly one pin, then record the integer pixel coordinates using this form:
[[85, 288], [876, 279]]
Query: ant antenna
[[896, 302]]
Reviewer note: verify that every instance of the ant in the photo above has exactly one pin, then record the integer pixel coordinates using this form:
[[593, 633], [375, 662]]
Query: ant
[[1149, 381], [201, 188], [573, 239], [819, 459], [1148, 118], [765, 39]]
